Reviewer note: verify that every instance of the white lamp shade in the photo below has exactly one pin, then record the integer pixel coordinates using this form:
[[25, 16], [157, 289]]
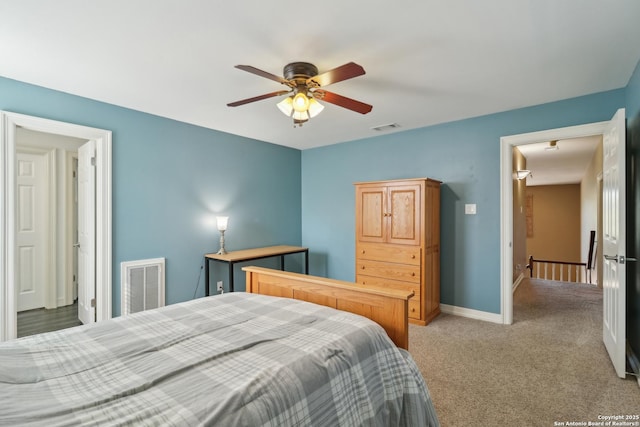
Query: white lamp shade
[[300, 116], [314, 107], [286, 106], [222, 222]]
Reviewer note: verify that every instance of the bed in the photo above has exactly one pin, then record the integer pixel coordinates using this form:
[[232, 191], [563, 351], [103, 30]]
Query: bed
[[241, 359]]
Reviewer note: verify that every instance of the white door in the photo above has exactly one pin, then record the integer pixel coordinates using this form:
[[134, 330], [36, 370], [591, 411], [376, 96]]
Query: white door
[[31, 230], [74, 227], [86, 233], [613, 223]]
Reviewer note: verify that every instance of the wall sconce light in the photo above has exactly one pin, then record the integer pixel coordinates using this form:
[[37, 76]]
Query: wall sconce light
[[222, 222], [553, 146], [523, 173]]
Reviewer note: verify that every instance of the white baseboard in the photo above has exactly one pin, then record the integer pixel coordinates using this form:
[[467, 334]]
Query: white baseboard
[[517, 282], [477, 314], [471, 313]]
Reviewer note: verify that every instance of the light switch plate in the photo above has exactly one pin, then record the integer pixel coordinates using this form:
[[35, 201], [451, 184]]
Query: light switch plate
[[470, 209]]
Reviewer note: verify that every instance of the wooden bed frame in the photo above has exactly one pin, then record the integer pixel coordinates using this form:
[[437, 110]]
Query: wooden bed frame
[[387, 307]]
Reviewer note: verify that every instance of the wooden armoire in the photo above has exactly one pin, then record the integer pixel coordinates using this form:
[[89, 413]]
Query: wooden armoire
[[398, 240]]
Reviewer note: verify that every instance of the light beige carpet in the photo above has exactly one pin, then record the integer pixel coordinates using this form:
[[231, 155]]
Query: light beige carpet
[[550, 366]]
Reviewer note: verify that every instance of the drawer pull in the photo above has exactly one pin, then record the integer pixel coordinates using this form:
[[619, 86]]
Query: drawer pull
[[363, 267], [413, 274], [412, 256], [363, 251]]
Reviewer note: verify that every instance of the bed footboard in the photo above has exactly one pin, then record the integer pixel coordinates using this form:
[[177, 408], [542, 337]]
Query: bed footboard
[[387, 307]]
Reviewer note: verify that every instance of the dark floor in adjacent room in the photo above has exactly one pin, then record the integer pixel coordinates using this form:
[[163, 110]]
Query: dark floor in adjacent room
[[40, 320]]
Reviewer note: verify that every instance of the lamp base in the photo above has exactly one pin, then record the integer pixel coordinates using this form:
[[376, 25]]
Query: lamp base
[[222, 251]]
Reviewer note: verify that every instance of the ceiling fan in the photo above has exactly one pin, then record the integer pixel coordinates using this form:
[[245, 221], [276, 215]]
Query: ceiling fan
[[304, 91]]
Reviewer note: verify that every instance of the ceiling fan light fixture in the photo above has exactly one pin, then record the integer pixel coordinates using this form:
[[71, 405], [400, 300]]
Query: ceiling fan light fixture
[[292, 106]]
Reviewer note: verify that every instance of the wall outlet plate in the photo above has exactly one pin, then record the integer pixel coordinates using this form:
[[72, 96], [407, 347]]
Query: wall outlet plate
[[220, 288]]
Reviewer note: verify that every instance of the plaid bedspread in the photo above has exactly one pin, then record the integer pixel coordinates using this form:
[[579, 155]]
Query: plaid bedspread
[[235, 359]]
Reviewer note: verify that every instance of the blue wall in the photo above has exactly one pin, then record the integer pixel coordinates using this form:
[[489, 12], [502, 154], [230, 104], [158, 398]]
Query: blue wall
[[170, 179], [633, 210], [465, 155]]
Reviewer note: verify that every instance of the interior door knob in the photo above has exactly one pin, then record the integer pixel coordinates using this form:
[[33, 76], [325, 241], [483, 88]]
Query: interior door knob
[[620, 259]]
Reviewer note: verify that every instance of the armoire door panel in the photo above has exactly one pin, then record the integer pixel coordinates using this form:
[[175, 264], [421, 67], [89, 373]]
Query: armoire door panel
[[372, 219], [404, 213]]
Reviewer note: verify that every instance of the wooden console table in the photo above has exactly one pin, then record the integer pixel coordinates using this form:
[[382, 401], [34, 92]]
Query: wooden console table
[[235, 257]]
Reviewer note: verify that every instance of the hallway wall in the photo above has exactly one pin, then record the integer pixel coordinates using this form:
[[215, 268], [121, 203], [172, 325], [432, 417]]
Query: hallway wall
[[556, 222]]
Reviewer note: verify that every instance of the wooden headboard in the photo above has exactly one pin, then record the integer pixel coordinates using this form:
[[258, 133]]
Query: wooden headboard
[[387, 307]]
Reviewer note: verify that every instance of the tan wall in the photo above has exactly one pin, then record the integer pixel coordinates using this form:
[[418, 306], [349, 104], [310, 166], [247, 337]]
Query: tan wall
[[520, 256], [556, 223]]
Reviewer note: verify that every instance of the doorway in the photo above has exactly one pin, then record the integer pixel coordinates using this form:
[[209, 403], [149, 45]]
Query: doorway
[[555, 206], [46, 226], [506, 198], [10, 123]]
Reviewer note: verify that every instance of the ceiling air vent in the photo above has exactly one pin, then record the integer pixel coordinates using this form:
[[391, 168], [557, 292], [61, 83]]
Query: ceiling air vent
[[385, 127]]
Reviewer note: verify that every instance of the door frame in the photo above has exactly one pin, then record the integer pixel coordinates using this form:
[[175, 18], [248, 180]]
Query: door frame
[[507, 143], [9, 122]]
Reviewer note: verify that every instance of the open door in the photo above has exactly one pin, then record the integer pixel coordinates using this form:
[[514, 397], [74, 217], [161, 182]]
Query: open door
[[613, 228], [31, 230], [86, 233]]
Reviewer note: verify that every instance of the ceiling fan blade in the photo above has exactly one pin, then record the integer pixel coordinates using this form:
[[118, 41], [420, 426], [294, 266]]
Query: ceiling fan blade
[[344, 102], [258, 72], [343, 72], [257, 98]]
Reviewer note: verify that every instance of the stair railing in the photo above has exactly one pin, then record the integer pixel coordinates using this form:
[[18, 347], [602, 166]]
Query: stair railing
[[559, 270]]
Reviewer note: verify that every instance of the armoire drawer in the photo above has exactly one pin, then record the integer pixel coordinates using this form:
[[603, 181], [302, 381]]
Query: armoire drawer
[[363, 279], [414, 308], [401, 254], [387, 270], [414, 302]]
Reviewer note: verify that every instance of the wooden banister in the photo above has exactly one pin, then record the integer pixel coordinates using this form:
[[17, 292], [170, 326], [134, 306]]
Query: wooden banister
[[579, 266]]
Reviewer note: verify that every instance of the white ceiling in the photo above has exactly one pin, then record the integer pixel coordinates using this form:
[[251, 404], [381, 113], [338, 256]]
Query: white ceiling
[[426, 61], [566, 165]]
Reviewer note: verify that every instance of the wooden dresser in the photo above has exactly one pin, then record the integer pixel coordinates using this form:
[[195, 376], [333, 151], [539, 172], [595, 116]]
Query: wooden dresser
[[398, 240]]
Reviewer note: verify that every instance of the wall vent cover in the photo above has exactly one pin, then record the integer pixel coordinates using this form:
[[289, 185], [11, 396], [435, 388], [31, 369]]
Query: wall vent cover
[[142, 285]]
